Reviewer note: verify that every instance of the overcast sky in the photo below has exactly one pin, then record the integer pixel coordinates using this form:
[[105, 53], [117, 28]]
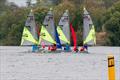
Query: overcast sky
[[21, 2]]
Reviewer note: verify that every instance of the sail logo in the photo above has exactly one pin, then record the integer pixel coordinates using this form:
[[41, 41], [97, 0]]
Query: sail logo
[[42, 34], [25, 35]]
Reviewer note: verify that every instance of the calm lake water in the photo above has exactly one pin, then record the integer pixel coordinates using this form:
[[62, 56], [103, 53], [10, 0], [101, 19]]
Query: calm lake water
[[18, 63]]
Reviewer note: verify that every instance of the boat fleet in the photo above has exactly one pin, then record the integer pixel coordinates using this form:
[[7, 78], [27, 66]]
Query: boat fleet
[[52, 38]]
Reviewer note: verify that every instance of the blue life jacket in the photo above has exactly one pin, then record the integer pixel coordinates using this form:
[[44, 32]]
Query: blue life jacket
[[67, 47], [34, 48], [86, 47]]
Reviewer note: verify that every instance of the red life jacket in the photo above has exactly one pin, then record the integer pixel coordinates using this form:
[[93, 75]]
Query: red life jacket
[[43, 46], [82, 49], [53, 48], [49, 48], [75, 49]]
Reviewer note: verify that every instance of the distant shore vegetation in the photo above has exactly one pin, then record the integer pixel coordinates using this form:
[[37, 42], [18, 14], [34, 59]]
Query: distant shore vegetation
[[105, 15]]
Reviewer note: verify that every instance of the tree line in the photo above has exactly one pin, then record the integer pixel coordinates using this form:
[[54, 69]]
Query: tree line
[[105, 15]]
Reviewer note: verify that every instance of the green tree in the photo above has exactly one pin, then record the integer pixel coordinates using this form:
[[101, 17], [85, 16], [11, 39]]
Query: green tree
[[40, 13], [112, 25], [11, 26]]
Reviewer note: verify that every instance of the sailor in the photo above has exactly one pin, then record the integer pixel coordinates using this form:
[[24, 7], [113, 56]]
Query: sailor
[[35, 48], [75, 49], [67, 47], [53, 47], [43, 45], [84, 48], [49, 48]]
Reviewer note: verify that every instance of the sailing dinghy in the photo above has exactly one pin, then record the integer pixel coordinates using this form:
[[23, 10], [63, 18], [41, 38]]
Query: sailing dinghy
[[48, 34], [89, 38], [63, 29], [30, 36]]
